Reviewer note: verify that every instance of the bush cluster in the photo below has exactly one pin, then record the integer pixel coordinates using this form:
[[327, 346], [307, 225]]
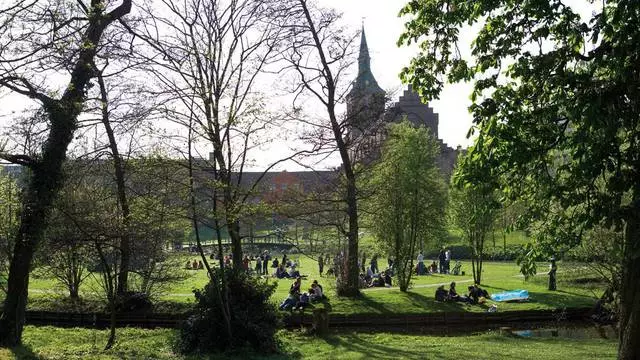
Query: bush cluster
[[254, 320]]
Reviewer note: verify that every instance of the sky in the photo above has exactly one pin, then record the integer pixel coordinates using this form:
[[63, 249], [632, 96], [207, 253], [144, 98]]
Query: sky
[[383, 28]]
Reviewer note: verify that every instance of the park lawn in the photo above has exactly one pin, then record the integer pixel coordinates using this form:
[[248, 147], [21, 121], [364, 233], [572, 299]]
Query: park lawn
[[497, 277], [59, 343]]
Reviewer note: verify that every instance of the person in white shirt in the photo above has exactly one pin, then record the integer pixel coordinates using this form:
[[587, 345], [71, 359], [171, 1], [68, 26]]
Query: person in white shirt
[[420, 264], [447, 260]]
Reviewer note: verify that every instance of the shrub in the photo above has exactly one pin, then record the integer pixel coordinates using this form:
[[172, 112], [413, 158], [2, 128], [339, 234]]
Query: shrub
[[254, 320], [133, 301]]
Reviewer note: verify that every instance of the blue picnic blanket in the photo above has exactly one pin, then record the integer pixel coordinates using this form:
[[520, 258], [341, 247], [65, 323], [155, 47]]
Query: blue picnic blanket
[[514, 295]]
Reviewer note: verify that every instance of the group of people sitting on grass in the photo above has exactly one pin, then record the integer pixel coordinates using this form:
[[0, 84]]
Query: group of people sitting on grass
[[476, 295], [286, 268], [372, 279], [195, 265], [299, 301]]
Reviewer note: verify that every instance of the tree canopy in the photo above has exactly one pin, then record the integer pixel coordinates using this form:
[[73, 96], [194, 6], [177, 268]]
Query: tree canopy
[[556, 111], [408, 204]]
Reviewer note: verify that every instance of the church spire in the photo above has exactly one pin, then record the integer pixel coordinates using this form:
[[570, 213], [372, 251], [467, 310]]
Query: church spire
[[365, 82], [364, 60]]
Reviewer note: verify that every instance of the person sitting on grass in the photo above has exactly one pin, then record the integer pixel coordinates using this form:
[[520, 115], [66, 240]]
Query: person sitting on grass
[[434, 267], [188, 266], [296, 285], [200, 265], [453, 293], [315, 282], [316, 295], [281, 273], [304, 300], [441, 293], [377, 282], [370, 275], [290, 302], [482, 293], [387, 278], [293, 273], [477, 295]]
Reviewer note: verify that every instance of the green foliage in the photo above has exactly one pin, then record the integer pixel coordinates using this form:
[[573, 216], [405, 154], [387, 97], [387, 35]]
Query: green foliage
[[555, 107], [254, 319], [409, 197], [554, 103], [9, 212], [474, 209]]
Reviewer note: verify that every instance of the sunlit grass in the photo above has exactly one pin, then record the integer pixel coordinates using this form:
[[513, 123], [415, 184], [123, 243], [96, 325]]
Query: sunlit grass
[[58, 343]]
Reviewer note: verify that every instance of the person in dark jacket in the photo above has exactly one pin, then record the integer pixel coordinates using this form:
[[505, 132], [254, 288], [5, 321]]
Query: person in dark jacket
[[441, 293]]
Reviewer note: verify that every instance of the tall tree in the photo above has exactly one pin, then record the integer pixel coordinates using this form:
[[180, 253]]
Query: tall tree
[[320, 53], [556, 103], [207, 63], [408, 204], [473, 209], [30, 31]]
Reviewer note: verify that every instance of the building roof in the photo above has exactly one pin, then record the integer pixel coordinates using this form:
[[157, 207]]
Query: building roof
[[365, 81]]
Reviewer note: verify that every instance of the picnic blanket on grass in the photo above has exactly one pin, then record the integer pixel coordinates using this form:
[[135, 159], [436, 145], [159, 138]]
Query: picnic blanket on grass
[[514, 295]]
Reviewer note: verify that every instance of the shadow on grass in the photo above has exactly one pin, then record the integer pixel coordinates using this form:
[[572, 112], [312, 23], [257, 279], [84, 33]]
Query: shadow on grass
[[23, 352], [372, 305], [367, 349], [561, 299], [430, 304]]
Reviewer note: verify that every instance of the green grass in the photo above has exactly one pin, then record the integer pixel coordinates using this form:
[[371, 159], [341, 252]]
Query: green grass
[[57, 343], [497, 277]]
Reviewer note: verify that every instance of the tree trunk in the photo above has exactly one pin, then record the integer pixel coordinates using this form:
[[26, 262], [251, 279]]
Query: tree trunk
[[125, 246], [628, 348], [350, 287], [236, 243], [46, 176], [353, 278]]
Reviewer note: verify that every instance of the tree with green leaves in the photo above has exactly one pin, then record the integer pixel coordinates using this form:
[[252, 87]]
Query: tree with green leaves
[[9, 220], [556, 107], [409, 197], [473, 209]]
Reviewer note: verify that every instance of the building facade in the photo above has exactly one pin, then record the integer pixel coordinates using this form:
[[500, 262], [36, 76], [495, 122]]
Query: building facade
[[368, 118]]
